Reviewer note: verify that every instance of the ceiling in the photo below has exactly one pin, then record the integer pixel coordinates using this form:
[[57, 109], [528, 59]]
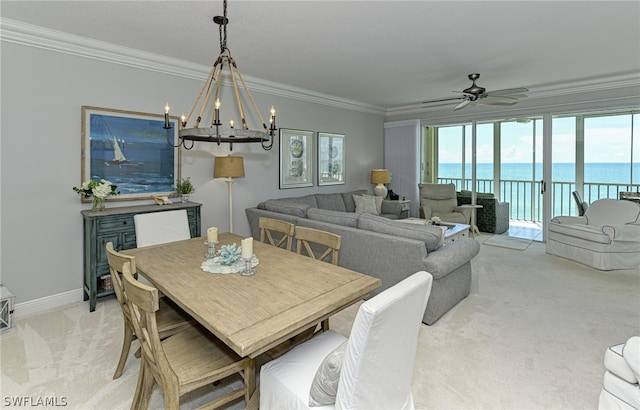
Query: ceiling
[[382, 53]]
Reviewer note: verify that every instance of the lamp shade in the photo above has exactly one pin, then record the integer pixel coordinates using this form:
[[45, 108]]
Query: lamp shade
[[229, 167], [380, 176]]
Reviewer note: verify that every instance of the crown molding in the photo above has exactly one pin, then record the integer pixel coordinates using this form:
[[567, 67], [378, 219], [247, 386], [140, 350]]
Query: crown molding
[[25, 34]]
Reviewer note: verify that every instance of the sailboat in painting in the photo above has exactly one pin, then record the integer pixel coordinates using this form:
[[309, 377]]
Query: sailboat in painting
[[118, 156]]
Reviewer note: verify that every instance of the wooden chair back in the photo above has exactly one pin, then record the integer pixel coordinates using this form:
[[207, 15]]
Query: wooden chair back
[[318, 244], [284, 235], [116, 262], [143, 303]]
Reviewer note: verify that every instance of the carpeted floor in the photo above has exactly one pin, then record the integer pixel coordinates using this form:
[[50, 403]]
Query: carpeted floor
[[531, 335], [506, 241]]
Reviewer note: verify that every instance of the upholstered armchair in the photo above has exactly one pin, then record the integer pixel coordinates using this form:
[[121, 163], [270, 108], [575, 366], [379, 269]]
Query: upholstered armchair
[[493, 217], [620, 389], [440, 200], [607, 237]]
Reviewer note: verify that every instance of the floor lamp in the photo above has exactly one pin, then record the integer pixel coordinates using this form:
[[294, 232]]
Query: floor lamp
[[229, 168]]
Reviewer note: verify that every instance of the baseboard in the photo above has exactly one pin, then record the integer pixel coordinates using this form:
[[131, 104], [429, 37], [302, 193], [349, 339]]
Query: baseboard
[[48, 302]]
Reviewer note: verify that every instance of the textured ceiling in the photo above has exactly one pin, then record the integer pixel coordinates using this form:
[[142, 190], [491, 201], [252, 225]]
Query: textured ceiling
[[385, 54]]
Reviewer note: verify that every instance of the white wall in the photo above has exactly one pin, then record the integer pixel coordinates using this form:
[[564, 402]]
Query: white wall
[[42, 94]]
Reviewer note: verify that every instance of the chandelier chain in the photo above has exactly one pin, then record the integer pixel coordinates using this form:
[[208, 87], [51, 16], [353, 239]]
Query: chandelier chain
[[222, 28]]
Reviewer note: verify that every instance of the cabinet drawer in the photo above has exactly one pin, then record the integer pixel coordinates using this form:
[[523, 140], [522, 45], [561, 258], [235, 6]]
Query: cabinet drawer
[[119, 223]]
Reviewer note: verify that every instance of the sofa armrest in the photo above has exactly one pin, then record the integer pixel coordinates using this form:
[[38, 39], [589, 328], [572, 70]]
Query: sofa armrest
[[466, 212], [451, 256], [568, 220], [619, 232]]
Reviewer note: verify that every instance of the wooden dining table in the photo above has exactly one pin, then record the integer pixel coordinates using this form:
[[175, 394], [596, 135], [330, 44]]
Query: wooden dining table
[[252, 314]]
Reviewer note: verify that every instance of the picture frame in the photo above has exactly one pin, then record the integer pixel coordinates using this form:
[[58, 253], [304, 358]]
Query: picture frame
[[331, 159], [130, 149], [296, 158]]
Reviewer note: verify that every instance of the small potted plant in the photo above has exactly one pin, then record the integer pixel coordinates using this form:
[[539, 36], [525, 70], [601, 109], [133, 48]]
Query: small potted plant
[[184, 188]]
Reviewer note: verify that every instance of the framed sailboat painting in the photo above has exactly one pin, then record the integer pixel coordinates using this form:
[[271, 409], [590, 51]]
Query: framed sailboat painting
[[131, 150]]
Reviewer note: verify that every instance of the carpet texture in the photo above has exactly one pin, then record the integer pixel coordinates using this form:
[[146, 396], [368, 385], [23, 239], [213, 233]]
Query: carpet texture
[[506, 241], [531, 335]]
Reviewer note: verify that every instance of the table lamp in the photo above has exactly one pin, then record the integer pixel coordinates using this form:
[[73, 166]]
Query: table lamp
[[229, 167], [380, 177]]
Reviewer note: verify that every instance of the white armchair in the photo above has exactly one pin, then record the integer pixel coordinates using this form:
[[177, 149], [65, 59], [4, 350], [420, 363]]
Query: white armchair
[[373, 368], [621, 388], [607, 237]]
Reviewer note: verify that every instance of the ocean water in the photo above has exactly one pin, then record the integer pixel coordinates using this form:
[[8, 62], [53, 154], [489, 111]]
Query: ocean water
[[602, 180], [599, 172]]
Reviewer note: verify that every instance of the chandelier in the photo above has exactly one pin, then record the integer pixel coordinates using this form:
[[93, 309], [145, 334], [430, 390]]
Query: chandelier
[[209, 102]]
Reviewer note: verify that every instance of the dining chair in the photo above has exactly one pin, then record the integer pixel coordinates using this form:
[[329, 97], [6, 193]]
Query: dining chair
[[283, 232], [183, 362], [170, 318], [372, 368], [318, 244], [154, 228]]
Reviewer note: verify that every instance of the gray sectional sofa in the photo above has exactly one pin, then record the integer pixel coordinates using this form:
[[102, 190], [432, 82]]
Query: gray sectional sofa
[[381, 247]]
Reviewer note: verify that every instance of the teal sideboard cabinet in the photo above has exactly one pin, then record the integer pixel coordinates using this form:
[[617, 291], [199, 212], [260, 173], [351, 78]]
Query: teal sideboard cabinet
[[116, 225]]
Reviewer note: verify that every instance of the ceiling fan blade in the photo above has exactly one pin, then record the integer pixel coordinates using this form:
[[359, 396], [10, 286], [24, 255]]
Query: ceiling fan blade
[[496, 100], [462, 104], [442, 100], [508, 91]]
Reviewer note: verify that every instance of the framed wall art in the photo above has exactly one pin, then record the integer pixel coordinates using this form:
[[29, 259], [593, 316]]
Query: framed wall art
[[296, 158], [130, 150], [331, 159]]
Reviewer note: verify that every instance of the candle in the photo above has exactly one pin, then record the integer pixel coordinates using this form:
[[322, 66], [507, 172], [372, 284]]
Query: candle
[[167, 123], [216, 120], [231, 123], [212, 234], [247, 248]]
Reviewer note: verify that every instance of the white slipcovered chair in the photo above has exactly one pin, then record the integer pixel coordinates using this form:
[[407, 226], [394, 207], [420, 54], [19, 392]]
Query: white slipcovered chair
[[621, 388], [606, 237], [154, 228], [373, 368]]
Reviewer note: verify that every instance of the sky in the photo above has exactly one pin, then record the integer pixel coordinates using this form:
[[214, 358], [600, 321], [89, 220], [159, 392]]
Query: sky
[[606, 139]]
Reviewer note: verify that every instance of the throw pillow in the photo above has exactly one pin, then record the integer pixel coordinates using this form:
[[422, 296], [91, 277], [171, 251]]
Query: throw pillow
[[325, 383], [365, 204], [378, 200]]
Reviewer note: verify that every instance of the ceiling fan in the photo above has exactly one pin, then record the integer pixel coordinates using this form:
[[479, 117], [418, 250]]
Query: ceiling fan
[[476, 94]]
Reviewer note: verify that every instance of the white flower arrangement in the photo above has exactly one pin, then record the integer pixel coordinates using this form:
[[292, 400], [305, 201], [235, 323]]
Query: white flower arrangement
[[436, 220], [99, 189]]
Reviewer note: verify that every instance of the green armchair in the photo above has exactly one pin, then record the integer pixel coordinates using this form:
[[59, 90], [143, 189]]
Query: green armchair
[[493, 217]]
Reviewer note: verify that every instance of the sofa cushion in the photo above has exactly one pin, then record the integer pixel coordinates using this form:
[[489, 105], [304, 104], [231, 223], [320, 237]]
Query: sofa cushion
[[332, 202], [431, 235], [335, 217], [378, 200], [286, 207], [347, 197], [365, 204]]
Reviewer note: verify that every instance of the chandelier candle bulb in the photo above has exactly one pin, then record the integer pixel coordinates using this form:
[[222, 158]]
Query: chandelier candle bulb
[[166, 117], [212, 234], [247, 248]]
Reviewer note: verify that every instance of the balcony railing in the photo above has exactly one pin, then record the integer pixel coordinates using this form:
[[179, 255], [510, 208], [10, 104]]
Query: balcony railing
[[525, 200]]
